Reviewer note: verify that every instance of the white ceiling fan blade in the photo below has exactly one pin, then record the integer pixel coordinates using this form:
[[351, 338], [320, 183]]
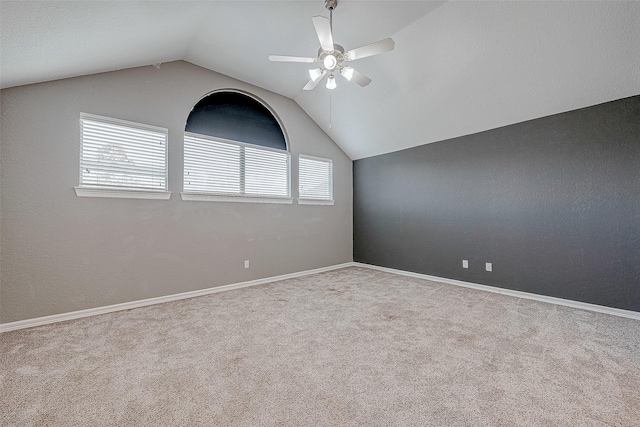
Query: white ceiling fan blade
[[323, 30], [280, 58], [313, 83], [370, 49], [360, 78]]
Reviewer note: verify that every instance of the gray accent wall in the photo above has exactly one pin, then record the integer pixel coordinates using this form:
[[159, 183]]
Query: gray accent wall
[[61, 253], [552, 203]]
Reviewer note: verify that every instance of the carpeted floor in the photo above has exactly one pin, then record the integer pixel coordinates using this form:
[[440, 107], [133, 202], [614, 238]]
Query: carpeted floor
[[351, 347]]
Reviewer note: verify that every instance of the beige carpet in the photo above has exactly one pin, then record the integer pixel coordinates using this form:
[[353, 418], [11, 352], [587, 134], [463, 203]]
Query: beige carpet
[[352, 347]]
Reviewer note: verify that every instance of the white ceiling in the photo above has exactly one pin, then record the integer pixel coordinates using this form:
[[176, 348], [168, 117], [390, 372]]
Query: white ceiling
[[458, 67]]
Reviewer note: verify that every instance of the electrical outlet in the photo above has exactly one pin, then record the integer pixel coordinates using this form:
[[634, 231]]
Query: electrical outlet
[[246, 264], [465, 263], [489, 266]]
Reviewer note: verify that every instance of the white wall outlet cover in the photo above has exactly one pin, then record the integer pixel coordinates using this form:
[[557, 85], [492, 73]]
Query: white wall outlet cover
[[489, 266], [465, 263], [246, 264]]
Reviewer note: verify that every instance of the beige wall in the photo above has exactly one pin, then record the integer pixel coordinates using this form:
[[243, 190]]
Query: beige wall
[[62, 253]]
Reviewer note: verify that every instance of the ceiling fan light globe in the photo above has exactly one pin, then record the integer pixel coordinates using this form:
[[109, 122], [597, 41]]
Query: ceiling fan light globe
[[330, 62], [331, 82], [316, 73], [347, 72]]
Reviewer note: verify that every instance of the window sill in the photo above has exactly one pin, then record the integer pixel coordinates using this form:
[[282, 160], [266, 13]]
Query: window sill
[[315, 202], [201, 197], [122, 194]]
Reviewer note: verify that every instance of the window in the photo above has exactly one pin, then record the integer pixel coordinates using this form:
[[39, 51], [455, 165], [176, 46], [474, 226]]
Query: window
[[236, 116], [316, 180], [122, 159], [235, 150], [218, 169]]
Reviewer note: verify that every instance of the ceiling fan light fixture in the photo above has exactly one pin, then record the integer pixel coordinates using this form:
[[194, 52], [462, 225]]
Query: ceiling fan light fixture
[[316, 73], [347, 72], [331, 82], [330, 62]]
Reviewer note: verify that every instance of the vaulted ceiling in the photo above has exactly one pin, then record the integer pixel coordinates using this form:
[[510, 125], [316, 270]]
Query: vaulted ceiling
[[458, 67]]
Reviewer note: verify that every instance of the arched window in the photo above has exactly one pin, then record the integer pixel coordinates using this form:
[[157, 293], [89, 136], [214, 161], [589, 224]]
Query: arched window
[[235, 150], [237, 117]]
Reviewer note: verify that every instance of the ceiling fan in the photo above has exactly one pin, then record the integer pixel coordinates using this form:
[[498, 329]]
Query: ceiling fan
[[332, 57]]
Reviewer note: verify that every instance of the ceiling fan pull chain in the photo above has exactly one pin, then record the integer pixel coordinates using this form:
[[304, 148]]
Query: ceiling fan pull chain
[[330, 110]]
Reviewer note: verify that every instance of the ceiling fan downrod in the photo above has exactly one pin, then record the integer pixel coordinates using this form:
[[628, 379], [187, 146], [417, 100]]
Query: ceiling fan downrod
[[330, 5]]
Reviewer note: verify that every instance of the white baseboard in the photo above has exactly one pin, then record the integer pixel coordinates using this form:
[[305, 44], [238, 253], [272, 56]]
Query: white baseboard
[[519, 294], [62, 317]]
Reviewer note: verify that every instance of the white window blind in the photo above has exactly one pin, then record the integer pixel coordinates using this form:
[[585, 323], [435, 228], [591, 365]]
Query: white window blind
[[120, 155], [221, 167], [315, 178]]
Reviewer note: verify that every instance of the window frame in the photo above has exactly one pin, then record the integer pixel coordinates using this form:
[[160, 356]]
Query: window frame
[[124, 192], [231, 197], [310, 200]]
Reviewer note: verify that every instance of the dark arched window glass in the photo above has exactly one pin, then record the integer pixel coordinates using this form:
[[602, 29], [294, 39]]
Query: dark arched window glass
[[235, 150], [237, 117]]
